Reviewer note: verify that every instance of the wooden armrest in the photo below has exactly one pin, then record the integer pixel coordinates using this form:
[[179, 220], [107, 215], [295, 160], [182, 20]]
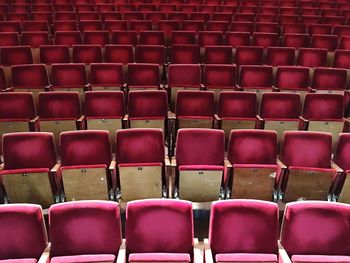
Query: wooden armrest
[[167, 161], [303, 119], [336, 167], [275, 89], [1, 167], [48, 88], [173, 162], [45, 256], [82, 117], [202, 87], [80, 123], [121, 253], [126, 117], [281, 164], [34, 120], [282, 254], [311, 90], [217, 118], [10, 89], [55, 168], [87, 87], [171, 115], [259, 118], [227, 163], [112, 165], [197, 252]]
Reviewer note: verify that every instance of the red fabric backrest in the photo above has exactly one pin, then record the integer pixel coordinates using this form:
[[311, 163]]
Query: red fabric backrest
[[341, 156], [195, 103], [255, 76], [17, 105], [106, 73], [280, 105], [220, 75], [30, 75], [148, 103], [237, 104], [104, 104], [318, 106], [69, 75]]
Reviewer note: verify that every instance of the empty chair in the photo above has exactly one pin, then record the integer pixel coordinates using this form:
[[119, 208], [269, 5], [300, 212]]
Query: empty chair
[[194, 109], [30, 238], [239, 218], [106, 76], [265, 39], [209, 38], [151, 54], [51, 54], [247, 27], [322, 29], [164, 242], [123, 54], [32, 78], [309, 175], [341, 30], [218, 26], [151, 38], [249, 55], [253, 156], [148, 109], [69, 77], [87, 54], [329, 42], [183, 37], [143, 76], [294, 28], [114, 25], [68, 38], [293, 79], [9, 39], [168, 26], [304, 222], [218, 55], [90, 25], [99, 219], [124, 38], [312, 57], [237, 110], [280, 56], [26, 176], [341, 59], [324, 113], [184, 54], [183, 76], [197, 23], [341, 158], [329, 80], [140, 164], [344, 42], [219, 77], [86, 157], [295, 40], [104, 110], [10, 26], [58, 112], [35, 39], [235, 39], [64, 25], [200, 168], [96, 38], [17, 112], [280, 111], [266, 27]]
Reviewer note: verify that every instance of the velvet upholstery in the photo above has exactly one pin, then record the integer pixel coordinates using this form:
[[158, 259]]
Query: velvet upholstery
[[96, 38], [315, 146], [316, 228], [219, 76], [151, 37], [280, 56], [119, 54], [329, 79], [104, 104], [184, 54], [200, 147], [23, 235], [87, 54], [246, 257], [292, 78], [16, 55], [139, 146], [255, 76], [280, 105], [195, 103], [249, 55], [150, 54], [210, 38], [86, 147], [184, 75], [341, 155], [59, 105], [329, 42], [218, 55], [183, 37], [35, 39], [252, 147], [9, 39], [235, 104], [235, 39], [69, 75], [147, 103], [124, 37], [68, 38], [243, 227], [106, 74], [312, 57], [30, 76], [341, 59], [84, 258], [318, 106], [50, 54], [143, 74], [16, 106], [73, 224], [159, 257], [265, 40], [165, 225]]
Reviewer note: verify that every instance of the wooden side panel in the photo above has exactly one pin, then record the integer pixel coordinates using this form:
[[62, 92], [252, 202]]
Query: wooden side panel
[[159, 124], [17, 126], [106, 88], [85, 184], [334, 127], [140, 182], [228, 125], [200, 186], [253, 183], [307, 185], [57, 126], [174, 91], [281, 126], [110, 125], [29, 188], [195, 123]]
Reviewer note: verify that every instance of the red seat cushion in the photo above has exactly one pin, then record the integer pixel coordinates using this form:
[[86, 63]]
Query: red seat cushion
[[84, 258], [320, 258], [159, 257], [246, 257]]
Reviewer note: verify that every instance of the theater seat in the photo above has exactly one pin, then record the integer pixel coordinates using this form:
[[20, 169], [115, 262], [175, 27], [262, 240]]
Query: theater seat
[[26, 177], [142, 76], [73, 224], [243, 231], [106, 76], [23, 233], [304, 223], [341, 158]]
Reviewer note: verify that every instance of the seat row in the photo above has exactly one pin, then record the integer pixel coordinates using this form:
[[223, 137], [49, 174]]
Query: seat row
[[198, 172], [250, 227]]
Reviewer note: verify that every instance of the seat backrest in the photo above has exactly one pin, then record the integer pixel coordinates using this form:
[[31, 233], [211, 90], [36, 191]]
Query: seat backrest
[[292, 78], [32, 75], [318, 106], [195, 103], [143, 74], [104, 104], [280, 105], [237, 104], [69, 75], [220, 75], [73, 224], [16, 55], [23, 233], [255, 76], [342, 153], [17, 105], [329, 79], [106, 74], [184, 74], [148, 103], [50, 54]]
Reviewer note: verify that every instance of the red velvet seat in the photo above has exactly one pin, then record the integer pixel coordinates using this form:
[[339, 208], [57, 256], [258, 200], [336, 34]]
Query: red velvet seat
[[258, 78], [293, 79], [184, 54], [106, 76], [68, 38], [96, 38], [249, 55], [124, 37], [9, 39], [312, 57], [143, 76], [87, 54], [123, 54], [280, 56], [218, 55], [51, 54], [341, 158]]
